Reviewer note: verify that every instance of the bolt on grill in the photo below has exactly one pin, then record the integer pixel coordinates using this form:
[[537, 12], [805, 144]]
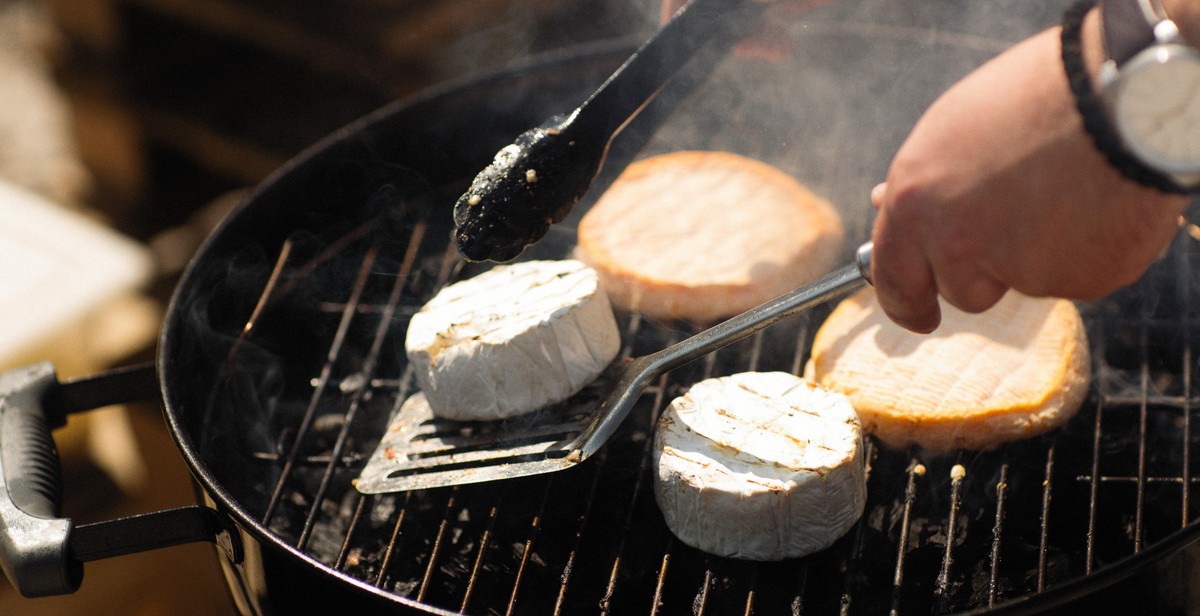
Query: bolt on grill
[[939, 534]]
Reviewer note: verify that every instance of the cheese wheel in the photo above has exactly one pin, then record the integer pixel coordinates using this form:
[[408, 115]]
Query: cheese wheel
[[760, 466], [704, 235], [1020, 369], [512, 340]]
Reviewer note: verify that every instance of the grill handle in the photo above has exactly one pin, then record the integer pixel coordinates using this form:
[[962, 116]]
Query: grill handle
[[41, 553], [34, 540]]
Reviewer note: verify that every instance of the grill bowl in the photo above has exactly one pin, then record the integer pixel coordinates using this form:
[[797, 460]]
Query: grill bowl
[[282, 358]]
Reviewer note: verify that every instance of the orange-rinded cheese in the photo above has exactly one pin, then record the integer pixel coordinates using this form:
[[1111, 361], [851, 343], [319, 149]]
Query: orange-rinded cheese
[[705, 235], [1020, 369]]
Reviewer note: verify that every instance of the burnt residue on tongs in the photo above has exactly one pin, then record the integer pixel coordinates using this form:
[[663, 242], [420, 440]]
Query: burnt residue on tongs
[[534, 182]]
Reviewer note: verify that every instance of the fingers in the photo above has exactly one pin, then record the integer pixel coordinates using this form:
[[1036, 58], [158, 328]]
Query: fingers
[[904, 281], [969, 289], [916, 261], [908, 285]]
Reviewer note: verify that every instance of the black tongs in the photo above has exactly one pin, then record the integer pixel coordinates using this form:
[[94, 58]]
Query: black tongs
[[535, 181]]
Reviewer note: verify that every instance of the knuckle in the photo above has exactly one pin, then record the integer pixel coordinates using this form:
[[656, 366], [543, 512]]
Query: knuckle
[[973, 294], [907, 198]]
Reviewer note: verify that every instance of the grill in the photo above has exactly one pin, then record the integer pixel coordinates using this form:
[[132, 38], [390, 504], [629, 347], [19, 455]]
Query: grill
[[939, 534], [283, 359]]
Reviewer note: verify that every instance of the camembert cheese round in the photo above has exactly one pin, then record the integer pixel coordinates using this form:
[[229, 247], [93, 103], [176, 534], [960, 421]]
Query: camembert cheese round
[[760, 466], [512, 340]]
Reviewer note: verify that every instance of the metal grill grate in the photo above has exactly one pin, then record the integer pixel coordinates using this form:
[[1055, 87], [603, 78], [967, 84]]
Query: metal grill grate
[[940, 534]]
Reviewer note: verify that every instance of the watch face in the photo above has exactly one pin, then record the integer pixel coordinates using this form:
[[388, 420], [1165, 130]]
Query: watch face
[[1157, 107]]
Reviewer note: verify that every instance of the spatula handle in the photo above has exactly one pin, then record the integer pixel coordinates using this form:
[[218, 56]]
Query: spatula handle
[[836, 284]]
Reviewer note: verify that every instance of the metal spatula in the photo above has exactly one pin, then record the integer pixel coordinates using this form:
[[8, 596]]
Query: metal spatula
[[419, 451]]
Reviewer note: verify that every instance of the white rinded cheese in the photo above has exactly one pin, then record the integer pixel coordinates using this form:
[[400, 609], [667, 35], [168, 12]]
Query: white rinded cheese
[[512, 340], [759, 465]]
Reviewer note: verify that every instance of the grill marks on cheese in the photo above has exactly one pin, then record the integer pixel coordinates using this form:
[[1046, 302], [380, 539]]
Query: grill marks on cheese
[[763, 426], [512, 340], [762, 466], [1018, 370], [704, 235]]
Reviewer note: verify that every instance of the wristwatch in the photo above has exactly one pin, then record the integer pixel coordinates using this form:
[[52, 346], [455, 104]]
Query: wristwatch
[[1151, 88]]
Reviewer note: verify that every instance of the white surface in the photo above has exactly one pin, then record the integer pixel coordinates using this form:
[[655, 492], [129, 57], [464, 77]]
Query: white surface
[[512, 340], [56, 267], [759, 465]]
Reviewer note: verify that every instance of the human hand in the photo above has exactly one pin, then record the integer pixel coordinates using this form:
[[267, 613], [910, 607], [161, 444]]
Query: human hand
[[998, 186]]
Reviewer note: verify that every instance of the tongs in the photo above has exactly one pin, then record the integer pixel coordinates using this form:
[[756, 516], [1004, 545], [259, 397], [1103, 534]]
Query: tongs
[[535, 181], [419, 451]]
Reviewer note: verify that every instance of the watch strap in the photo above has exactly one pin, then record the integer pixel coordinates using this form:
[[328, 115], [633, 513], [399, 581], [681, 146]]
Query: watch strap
[[1095, 119], [1125, 29]]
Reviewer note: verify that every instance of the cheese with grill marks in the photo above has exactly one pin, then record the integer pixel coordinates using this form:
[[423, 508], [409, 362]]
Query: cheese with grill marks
[[1020, 369], [760, 466], [702, 235], [512, 340]]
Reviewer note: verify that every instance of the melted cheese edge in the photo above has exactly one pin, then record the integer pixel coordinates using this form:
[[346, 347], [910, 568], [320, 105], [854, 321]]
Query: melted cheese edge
[[512, 340]]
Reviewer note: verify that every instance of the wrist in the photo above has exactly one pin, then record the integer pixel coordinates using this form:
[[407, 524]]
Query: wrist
[[1092, 47], [1186, 15]]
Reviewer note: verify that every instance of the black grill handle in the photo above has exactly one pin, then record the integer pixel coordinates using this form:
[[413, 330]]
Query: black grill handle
[[41, 553]]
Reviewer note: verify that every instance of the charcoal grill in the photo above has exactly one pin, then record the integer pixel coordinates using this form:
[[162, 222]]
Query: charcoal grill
[[282, 358], [940, 534]]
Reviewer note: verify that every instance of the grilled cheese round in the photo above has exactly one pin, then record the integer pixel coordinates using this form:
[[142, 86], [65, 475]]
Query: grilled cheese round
[[1020, 369], [512, 340], [760, 466], [699, 236]]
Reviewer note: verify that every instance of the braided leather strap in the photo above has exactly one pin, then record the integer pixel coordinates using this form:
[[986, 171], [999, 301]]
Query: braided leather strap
[[1095, 119]]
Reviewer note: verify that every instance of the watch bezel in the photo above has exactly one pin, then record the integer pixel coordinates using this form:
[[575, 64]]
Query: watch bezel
[[1115, 83]]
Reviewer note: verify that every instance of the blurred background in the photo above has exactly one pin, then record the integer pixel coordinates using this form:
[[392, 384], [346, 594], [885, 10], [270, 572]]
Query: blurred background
[[128, 128]]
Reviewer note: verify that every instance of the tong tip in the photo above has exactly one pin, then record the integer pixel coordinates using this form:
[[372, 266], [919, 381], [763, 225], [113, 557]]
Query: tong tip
[[531, 184]]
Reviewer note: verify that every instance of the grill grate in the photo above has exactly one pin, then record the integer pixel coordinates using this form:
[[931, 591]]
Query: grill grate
[[940, 534]]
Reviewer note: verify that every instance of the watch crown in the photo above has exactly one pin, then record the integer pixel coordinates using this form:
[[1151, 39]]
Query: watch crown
[[1107, 74], [1166, 31]]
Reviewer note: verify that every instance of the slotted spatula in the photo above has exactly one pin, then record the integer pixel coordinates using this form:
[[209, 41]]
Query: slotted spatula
[[419, 451]]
